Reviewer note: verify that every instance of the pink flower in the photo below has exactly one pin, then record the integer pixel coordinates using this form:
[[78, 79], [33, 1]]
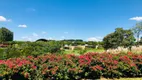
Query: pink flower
[[34, 67]]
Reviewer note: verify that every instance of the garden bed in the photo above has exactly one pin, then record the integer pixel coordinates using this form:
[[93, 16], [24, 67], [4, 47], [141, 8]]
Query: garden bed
[[87, 66]]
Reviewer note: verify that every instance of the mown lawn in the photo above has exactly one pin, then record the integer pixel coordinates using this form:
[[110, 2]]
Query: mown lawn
[[122, 79], [129, 79], [95, 50], [77, 52]]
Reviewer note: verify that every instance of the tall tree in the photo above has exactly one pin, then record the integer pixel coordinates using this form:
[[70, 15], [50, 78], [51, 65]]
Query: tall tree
[[5, 35], [120, 37], [140, 42], [137, 29]]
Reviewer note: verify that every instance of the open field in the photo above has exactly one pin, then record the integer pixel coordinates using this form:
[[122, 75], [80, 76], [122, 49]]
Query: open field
[[95, 50], [77, 52], [129, 79], [122, 79]]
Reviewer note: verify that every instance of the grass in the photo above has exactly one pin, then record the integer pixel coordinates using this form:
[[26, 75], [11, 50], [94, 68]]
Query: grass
[[129, 79], [122, 79], [77, 52], [95, 50]]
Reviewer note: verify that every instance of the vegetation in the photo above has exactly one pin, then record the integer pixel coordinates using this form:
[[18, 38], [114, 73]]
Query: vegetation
[[64, 67], [137, 30], [44, 40], [118, 38], [53, 60], [29, 48], [129, 79], [5, 35]]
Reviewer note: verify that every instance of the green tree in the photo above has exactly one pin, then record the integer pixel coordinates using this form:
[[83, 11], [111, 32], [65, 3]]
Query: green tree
[[137, 29], [92, 44], [44, 40], [140, 42], [120, 37], [5, 35], [78, 42], [109, 41]]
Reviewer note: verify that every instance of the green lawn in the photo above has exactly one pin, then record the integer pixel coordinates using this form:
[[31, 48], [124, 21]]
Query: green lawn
[[122, 79], [77, 52], [129, 79], [95, 50]]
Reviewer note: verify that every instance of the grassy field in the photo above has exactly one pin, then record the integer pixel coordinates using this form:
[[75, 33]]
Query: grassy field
[[129, 79], [95, 50], [122, 79], [77, 52]]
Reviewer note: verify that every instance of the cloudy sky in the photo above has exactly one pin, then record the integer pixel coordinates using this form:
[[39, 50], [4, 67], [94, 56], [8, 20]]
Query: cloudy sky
[[68, 19]]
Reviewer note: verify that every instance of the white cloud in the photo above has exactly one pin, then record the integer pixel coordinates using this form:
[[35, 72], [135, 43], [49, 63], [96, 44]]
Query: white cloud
[[3, 19], [94, 39], [35, 35], [23, 26], [43, 32], [137, 18], [66, 32]]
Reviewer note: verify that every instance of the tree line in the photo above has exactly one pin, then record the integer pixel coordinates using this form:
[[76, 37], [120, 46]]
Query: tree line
[[123, 38], [120, 37]]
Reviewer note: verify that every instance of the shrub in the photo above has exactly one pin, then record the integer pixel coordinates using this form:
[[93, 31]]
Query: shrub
[[30, 48], [63, 67]]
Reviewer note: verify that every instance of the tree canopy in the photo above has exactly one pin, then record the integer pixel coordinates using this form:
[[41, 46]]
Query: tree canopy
[[5, 35], [137, 29], [44, 40], [120, 37]]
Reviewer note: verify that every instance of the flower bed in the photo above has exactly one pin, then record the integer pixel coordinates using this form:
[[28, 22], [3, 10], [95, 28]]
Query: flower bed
[[87, 66]]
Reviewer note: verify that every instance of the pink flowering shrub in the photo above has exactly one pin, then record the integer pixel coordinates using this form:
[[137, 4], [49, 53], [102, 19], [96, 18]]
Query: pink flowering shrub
[[62, 67]]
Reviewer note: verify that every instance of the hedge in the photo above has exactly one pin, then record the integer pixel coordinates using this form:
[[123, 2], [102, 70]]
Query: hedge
[[72, 67]]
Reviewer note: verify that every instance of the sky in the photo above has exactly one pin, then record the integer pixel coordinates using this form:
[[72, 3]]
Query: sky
[[89, 20]]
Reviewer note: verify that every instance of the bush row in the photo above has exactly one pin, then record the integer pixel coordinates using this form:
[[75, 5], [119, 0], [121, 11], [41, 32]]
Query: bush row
[[29, 48], [71, 67]]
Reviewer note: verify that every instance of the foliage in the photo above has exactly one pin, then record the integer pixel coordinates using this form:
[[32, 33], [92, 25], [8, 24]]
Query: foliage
[[92, 44], [82, 51], [5, 35], [29, 48], [75, 42], [137, 30], [139, 42], [71, 67], [44, 40], [120, 37]]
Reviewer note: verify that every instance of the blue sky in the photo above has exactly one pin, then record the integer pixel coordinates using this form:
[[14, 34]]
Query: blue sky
[[68, 19]]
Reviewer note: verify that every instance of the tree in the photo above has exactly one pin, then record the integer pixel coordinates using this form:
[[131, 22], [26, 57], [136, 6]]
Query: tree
[[120, 37], [137, 30], [78, 42], [109, 41], [44, 40], [92, 44], [5, 35], [140, 42]]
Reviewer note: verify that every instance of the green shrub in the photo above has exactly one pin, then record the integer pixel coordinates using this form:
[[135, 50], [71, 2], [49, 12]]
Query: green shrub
[[29, 48], [71, 67], [82, 51], [2, 54]]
